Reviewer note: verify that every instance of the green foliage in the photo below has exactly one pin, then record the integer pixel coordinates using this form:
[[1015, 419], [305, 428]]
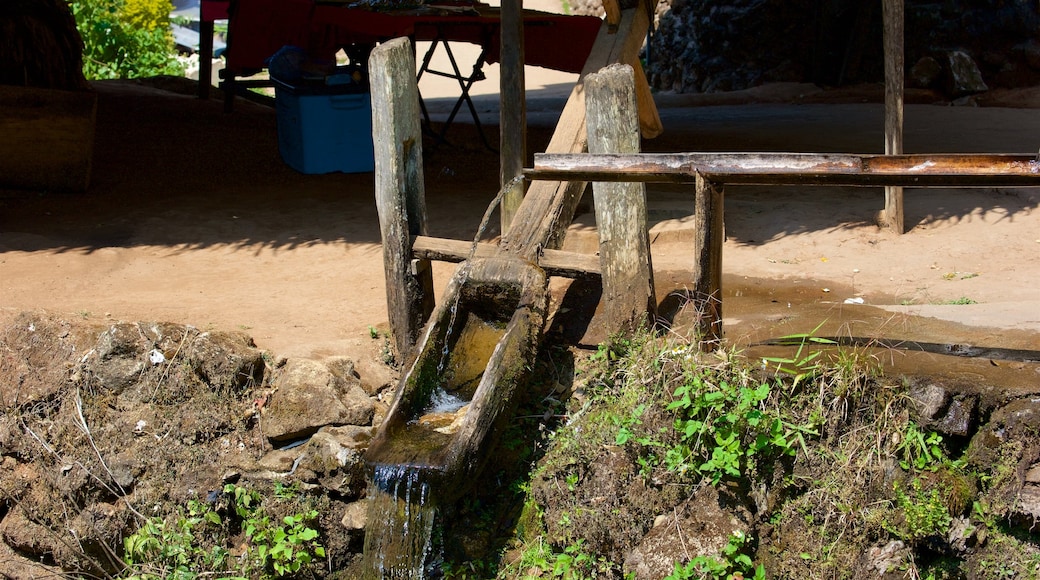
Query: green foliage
[[732, 564], [803, 364], [195, 542], [723, 424], [922, 451], [125, 38], [923, 512]]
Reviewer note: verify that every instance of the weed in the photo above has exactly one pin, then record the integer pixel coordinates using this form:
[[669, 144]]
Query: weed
[[731, 564], [195, 542], [920, 513], [803, 364], [962, 301]]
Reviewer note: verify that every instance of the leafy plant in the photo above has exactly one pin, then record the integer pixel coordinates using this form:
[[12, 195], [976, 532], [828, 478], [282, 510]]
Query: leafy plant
[[923, 512], [195, 542], [126, 38], [733, 564], [723, 425], [921, 451], [803, 364]]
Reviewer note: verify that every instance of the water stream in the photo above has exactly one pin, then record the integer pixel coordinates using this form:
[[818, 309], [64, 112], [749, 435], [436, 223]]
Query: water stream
[[399, 534]]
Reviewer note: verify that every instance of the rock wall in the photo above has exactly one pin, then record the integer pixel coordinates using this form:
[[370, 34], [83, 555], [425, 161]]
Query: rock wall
[[955, 47]]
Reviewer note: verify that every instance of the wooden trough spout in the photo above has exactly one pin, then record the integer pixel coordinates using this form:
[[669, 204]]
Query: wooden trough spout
[[472, 355]]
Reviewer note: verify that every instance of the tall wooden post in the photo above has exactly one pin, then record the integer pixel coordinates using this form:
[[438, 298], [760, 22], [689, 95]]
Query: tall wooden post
[[893, 41], [400, 193], [512, 109], [709, 235], [621, 219]]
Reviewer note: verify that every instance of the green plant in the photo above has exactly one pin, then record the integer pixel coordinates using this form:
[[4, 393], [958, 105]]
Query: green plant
[[125, 38], [803, 364], [962, 301], [922, 512], [732, 564], [722, 425], [921, 451], [195, 542]]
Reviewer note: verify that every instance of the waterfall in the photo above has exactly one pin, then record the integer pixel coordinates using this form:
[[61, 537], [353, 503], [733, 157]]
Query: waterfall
[[399, 534]]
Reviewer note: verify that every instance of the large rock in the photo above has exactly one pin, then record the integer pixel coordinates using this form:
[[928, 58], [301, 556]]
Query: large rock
[[335, 455], [965, 78], [175, 355], [309, 396]]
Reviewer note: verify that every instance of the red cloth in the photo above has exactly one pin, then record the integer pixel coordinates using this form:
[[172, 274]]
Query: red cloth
[[258, 28]]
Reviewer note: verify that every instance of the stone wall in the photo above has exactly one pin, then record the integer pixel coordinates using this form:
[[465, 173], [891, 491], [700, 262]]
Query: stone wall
[[714, 45]]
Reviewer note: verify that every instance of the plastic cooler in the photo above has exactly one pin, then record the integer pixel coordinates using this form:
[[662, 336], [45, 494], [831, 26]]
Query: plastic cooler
[[324, 127]]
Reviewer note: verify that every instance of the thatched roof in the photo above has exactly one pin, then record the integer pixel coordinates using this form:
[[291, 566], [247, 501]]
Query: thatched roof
[[40, 46]]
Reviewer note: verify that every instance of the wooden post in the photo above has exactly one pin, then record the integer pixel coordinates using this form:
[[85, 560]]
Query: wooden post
[[548, 208], [709, 235], [893, 40], [400, 194], [205, 57], [621, 217], [512, 109]]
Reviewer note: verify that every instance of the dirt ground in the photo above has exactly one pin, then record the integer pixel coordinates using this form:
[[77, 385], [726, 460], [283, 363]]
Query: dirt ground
[[192, 217]]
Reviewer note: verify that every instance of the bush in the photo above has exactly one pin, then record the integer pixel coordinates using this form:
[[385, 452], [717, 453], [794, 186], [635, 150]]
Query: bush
[[126, 38]]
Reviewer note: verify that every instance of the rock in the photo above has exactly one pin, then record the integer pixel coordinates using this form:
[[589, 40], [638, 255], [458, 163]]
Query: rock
[[959, 418], [120, 357], [964, 75], [925, 72], [702, 529], [227, 360], [355, 516], [335, 455], [888, 557], [931, 400], [309, 396], [376, 377]]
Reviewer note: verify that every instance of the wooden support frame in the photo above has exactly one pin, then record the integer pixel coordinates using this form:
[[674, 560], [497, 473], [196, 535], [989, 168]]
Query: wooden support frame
[[399, 184], [621, 214], [710, 229]]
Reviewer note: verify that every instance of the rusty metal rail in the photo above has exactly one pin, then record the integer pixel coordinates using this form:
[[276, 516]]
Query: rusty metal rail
[[919, 170]]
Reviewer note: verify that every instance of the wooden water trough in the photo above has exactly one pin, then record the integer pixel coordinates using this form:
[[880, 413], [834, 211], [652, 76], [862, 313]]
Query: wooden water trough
[[494, 309]]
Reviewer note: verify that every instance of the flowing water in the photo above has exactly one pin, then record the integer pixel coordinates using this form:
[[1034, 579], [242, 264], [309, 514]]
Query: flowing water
[[399, 534]]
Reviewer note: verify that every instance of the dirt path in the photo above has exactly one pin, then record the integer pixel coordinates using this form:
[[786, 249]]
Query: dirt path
[[192, 217]]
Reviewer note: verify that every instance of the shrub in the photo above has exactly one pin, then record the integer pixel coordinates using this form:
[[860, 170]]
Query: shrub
[[126, 38]]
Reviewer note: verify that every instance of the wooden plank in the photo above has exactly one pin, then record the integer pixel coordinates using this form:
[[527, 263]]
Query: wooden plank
[[399, 185], [554, 262], [46, 138], [650, 124], [548, 208], [708, 240], [621, 215], [512, 110], [918, 170], [893, 41]]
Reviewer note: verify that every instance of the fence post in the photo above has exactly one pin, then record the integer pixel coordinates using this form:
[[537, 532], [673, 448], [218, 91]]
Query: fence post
[[709, 235], [400, 193], [621, 219], [893, 15]]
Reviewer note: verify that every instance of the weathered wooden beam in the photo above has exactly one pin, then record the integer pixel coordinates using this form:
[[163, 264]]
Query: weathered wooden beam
[[548, 207], [554, 262], [919, 170], [512, 144], [399, 185], [707, 242], [612, 12], [893, 41], [621, 215]]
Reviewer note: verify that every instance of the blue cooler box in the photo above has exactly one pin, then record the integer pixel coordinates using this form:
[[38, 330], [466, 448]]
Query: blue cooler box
[[323, 128]]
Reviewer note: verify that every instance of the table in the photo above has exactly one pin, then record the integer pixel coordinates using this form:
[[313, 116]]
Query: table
[[258, 28]]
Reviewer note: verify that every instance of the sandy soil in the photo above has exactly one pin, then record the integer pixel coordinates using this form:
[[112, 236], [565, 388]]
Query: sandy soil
[[192, 217]]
